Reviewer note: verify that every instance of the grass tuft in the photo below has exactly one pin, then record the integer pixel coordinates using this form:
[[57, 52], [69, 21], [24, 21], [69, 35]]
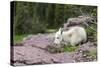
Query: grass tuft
[[70, 48], [18, 38], [51, 30], [92, 53]]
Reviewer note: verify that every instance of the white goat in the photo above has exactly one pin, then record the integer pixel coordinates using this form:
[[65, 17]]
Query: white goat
[[73, 36]]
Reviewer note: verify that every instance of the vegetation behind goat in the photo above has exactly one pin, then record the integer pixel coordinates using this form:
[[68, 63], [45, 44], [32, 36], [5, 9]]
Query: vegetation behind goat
[[30, 18]]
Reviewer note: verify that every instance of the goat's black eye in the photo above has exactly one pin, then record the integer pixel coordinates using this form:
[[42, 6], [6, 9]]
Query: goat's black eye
[[57, 37]]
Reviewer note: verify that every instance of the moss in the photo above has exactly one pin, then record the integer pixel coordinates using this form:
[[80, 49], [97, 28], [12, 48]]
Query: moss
[[92, 35], [18, 38], [51, 30], [93, 54], [70, 48]]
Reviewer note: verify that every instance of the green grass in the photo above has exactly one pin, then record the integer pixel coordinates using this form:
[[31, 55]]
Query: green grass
[[18, 38], [92, 53], [70, 48], [51, 30], [92, 35]]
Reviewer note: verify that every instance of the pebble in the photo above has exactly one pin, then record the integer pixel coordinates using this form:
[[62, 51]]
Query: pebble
[[76, 52], [80, 51], [84, 55]]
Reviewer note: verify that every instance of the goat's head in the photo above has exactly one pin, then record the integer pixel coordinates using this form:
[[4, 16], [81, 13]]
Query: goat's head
[[58, 36]]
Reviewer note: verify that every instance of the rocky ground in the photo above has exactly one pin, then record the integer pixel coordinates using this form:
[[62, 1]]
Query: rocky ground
[[33, 50]]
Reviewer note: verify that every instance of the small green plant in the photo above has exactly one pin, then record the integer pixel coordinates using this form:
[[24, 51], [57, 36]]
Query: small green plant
[[70, 48], [18, 38], [93, 54], [92, 34], [51, 30]]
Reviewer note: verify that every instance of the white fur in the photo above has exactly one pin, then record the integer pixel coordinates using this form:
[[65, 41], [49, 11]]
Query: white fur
[[73, 36]]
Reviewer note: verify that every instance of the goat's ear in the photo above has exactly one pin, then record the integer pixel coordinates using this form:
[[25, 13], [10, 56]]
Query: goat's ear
[[60, 29]]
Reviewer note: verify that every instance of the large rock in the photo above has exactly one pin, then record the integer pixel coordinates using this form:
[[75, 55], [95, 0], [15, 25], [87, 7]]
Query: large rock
[[40, 40], [33, 50], [63, 57], [89, 46], [77, 21], [28, 55]]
